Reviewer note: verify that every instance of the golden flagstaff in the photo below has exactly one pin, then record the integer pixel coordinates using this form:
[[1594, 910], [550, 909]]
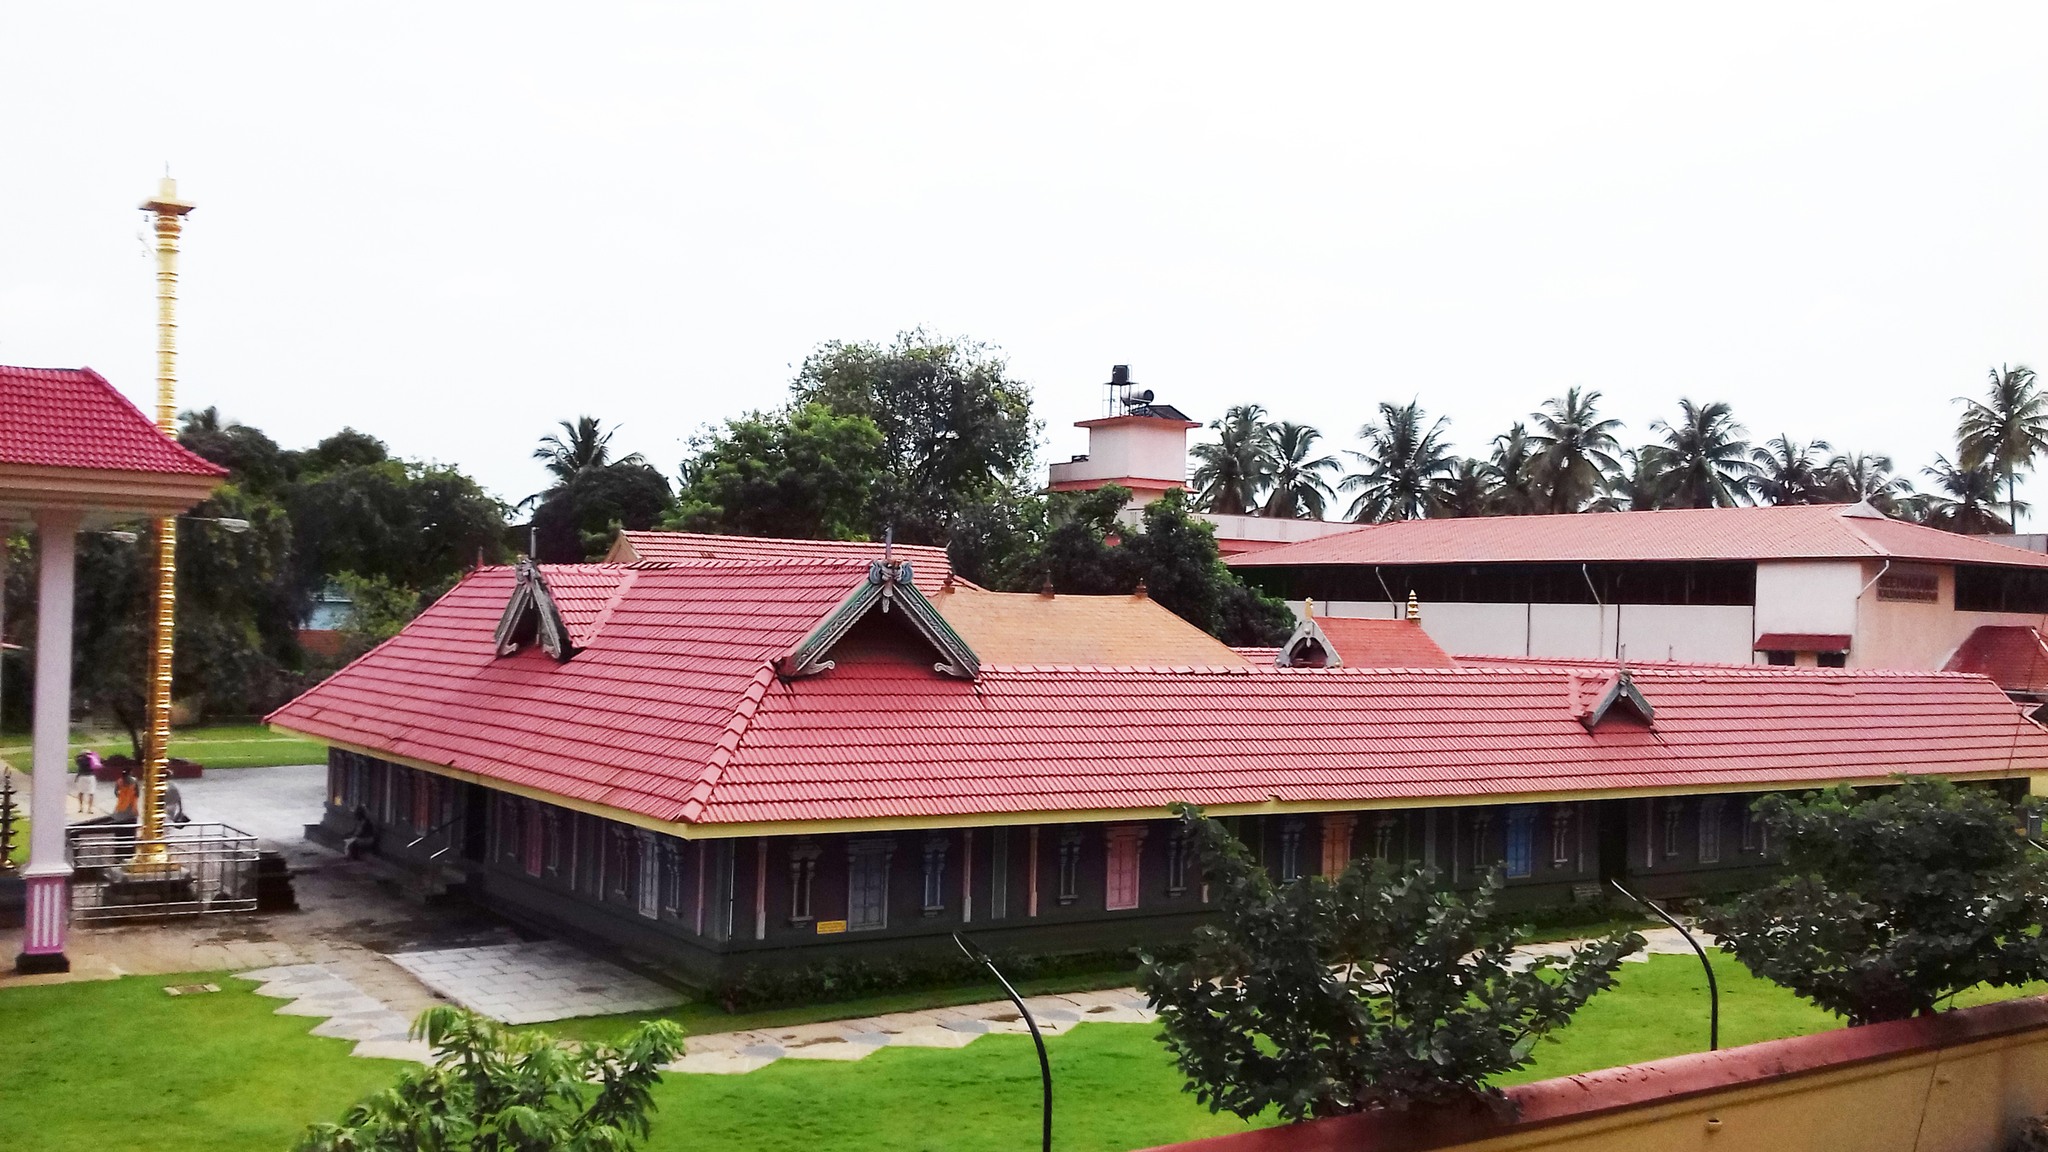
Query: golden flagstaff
[[167, 212]]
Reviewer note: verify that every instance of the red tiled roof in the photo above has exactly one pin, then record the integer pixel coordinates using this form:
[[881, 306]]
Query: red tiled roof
[[1255, 654], [1383, 643], [929, 563], [1802, 642], [73, 418], [1792, 532], [2014, 656], [672, 712]]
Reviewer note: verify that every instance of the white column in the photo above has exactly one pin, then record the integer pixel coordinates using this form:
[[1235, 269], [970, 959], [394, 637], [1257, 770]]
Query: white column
[[48, 872]]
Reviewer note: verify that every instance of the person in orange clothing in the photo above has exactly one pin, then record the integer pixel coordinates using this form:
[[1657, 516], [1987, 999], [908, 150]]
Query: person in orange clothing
[[126, 793]]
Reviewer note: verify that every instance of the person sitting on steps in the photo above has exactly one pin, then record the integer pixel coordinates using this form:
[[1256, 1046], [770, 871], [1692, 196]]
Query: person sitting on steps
[[363, 835]]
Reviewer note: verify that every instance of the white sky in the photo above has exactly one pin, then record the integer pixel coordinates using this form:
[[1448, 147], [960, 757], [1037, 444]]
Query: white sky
[[451, 227]]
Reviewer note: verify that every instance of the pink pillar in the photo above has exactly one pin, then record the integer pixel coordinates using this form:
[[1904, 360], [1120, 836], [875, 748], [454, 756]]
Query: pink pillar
[[48, 872]]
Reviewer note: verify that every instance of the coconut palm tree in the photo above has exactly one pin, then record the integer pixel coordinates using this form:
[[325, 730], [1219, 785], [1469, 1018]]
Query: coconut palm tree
[[2008, 430], [1704, 458], [1232, 473], [583, 447], [1965, 499], [1514, 473], [1300, 491], [1471, 489], [1867, 477], [1788, 472], [1407, 467], [1639, 485], [1573, 451]]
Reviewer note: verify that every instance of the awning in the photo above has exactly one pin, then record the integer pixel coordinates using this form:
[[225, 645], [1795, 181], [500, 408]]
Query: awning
[[1802, 642]]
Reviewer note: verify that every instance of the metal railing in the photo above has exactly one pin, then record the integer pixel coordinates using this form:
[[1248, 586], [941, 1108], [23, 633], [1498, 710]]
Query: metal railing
[[204, 868]]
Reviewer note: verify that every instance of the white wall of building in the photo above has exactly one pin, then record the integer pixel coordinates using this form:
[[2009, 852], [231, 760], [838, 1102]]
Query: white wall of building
[[1644, 632], [1139, 446], [1809, 595], [1714, 633]]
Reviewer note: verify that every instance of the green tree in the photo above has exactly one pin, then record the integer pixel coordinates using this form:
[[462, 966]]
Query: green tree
[[1513, 469], [1642, 483], [956, 428], [1704, 460], [2006, 431], [584, 445], [415, 525], [1894, 899], [1232, 474], [491, 1089], [1789, 472], [808, 473], [1406, 467], [377, 610], [1473, 488], [1867, 477], [1964, 499], [1376, 989], [578, 519], [1300, 488], [1572, 451]]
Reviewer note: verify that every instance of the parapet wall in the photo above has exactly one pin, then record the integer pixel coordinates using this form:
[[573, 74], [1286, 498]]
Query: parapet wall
[[1957, 1082]]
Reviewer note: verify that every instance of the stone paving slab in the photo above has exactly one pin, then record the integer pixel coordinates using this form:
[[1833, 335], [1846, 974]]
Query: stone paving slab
[[529, 983]]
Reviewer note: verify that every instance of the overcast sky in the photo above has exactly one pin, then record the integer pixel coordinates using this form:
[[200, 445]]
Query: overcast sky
[[451, 227]]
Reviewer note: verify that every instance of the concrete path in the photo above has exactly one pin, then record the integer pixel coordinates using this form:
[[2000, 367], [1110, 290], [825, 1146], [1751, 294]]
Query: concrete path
[[528, 983]]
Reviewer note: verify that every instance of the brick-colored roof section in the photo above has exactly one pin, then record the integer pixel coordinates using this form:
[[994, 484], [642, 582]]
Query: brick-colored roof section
[[1028, 628], [1383, 643], [73, 418], [929, 564], [672, 711], [2014, 656], [1802, 642], [1793, 532]]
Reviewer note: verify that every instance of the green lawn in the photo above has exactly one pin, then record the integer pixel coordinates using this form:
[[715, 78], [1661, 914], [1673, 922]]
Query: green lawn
[[215, 746], [100, 1065]]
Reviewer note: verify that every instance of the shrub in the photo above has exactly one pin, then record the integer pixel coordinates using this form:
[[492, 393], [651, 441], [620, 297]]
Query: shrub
[[1381, 989], [1894, 900], [493, 1090], [842, 979]]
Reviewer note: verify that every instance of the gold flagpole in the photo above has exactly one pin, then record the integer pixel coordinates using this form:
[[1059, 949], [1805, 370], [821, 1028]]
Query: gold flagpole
[[168, 214]]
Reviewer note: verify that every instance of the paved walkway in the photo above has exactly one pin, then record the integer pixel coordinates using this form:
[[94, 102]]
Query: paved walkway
[[528, 983]]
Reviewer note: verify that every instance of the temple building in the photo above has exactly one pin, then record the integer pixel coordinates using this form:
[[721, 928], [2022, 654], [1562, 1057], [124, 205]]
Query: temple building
[[707, 764]]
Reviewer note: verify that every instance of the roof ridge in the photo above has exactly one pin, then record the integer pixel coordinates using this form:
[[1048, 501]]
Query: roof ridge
[[728, 745]]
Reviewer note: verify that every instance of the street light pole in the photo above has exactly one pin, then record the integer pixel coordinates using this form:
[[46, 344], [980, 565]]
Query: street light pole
[[1044, 1066]]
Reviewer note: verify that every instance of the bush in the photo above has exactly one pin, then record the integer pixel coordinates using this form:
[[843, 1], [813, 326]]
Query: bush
[[1894, 900], [1381, 989], [838, 979]]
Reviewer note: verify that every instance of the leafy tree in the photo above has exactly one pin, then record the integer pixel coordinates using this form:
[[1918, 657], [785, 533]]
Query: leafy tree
[[1300, 490], [583, 445], [1573, 451], [1866, 477], [1964, 499], [807, 473], [2006, 431], [1376, 989], [415, 525], [1704, 460], [1232, 474], [1472, 489], [1788, 472], [377, 610], [491, 1089], [1894, 899], [956, 428], [258, 464], [1641, 484], [1406, 466], [347, 448], [577, 519]]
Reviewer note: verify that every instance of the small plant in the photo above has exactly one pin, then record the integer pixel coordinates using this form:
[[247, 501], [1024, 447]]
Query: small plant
[[1379, 990], [494, 1090], [1894, 900]]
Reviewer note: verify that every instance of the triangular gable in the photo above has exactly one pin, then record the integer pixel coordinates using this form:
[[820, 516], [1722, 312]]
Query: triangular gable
[[1618, 690], [888, 588], [531, 616], [1309, 647]]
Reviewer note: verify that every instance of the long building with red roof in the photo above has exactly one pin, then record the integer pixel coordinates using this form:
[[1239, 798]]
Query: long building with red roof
[[716, 763]]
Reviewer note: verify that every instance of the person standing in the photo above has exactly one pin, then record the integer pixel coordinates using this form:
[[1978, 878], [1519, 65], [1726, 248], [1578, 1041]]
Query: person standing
[[85, 785]]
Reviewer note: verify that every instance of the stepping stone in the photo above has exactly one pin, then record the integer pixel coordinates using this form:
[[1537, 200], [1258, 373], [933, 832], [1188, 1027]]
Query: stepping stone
[[831, 1050], [362, 1026], [933, 1036], [762, 1051], [718, 1063], [415, 1051]]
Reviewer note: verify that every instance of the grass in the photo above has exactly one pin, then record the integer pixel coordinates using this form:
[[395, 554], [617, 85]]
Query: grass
[[98, 1065], [213, 745]]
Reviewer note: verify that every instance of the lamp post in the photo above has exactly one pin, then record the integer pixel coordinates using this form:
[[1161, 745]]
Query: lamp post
[[167, 214], [975, 953]]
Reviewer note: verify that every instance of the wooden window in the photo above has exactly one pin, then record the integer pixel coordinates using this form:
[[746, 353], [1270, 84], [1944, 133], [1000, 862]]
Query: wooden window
[[803, 873], [589, 877], [403, 781], [1070, 866], [423, 803], [533, 841], [1482, 839], [934, 874], [1290, 851], [1710, 830], [1674, 826], [508, 821], [621, 864], [1752, 831], [551, 820], [1521, 847], [1337, 830], [1781, 658], [1385, 827], [1832, 659], [1124, 843], [867, 884], [337, 779], [1177, 853], [671, 876], [647, 876], [1564, 844]]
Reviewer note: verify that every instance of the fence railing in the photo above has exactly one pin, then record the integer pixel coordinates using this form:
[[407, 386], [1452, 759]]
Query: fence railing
[[203, 868]]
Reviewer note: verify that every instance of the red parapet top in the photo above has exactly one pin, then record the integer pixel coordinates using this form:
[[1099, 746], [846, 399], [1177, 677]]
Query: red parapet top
[[73, 418], [929, 564]]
